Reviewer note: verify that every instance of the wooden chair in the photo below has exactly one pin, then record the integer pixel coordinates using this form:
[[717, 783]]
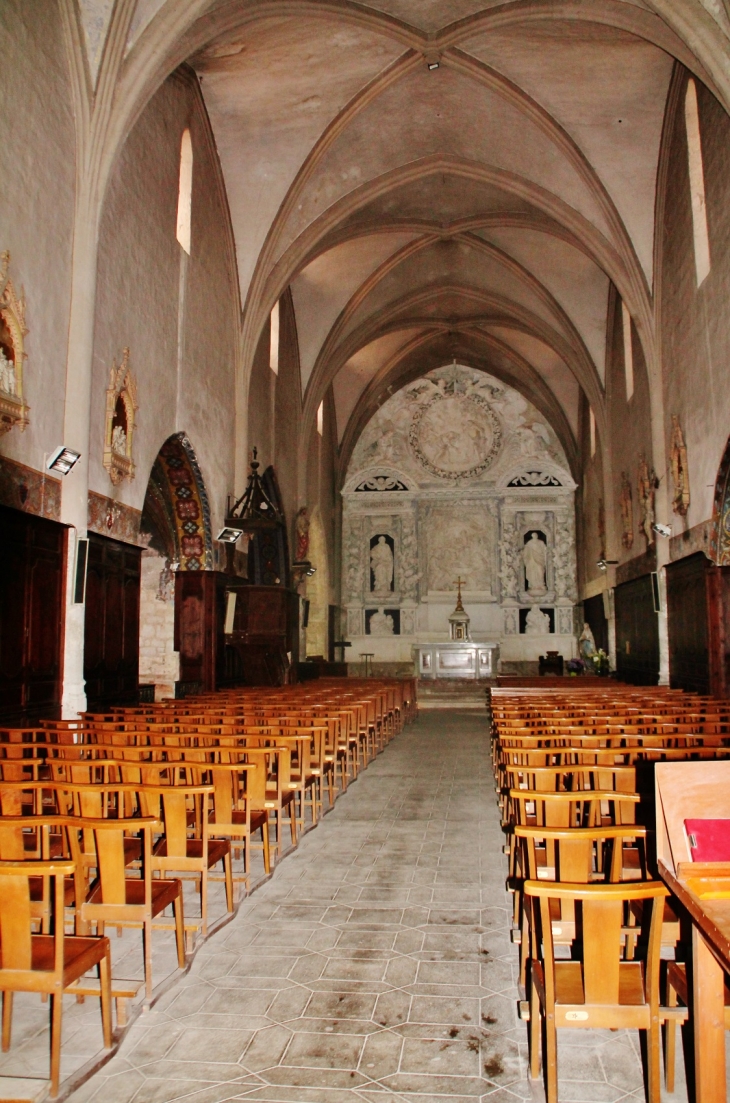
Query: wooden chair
[[46, 963], [598, 988], [120, 900], [177, 852]]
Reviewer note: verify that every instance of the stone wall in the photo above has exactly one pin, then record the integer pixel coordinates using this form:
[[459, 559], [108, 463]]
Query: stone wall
[[449, 480], [158, 660]]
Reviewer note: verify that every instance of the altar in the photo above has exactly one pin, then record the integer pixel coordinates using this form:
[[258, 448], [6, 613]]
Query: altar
[[452, 659]]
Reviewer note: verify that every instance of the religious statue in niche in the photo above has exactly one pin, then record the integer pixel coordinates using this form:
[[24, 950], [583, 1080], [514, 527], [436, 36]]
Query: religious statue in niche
[[302, 533], [647, 491], [680, 470], [627, 512], [587, 644], [381, 623], [534, 557], [537, 623], [13, 410], [381, 564], [121, 407]]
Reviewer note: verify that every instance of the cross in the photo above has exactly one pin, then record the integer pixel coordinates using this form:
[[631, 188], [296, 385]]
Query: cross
[[458, 583]]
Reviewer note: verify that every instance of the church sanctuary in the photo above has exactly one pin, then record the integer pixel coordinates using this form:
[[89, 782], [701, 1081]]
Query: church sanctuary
[[365, 544]]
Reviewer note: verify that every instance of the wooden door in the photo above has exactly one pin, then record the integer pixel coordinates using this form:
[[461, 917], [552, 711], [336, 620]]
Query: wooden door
[[31, 615], [111, 637], [637, 632]]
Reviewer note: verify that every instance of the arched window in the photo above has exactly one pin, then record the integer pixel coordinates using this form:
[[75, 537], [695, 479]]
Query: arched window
[[628, 351], [185, 192], [274, 339], [697, 184], [320, 418]]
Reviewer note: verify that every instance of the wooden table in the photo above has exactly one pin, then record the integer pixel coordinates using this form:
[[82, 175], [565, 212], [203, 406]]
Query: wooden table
[[699, 790]]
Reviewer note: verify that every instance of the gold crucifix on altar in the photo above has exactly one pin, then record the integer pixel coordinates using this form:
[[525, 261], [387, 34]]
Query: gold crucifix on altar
[[459, 619]]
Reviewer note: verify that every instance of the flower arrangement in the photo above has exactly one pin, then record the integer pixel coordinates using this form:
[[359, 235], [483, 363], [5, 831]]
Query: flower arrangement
[[601, 664], [575, 667]]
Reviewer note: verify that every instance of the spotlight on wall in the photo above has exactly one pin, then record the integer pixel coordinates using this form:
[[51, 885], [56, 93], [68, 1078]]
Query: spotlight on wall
[[604, 564], [662, 530], [63, 459], [229, 535], [312, 570], [433, 65]]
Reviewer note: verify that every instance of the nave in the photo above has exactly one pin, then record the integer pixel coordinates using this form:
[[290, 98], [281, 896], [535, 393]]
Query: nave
[[375, 965]]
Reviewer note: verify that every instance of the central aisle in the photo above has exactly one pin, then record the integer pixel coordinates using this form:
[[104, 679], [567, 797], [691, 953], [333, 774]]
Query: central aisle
[[374, 966]]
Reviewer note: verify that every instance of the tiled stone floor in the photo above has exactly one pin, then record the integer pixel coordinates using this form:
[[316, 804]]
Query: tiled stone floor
[[374, 966]]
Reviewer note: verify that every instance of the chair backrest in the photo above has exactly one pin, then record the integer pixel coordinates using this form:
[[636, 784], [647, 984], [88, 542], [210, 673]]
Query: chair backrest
[[15, 911], [601, 911]]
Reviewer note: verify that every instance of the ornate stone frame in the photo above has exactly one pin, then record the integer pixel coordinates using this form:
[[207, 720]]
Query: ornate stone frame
[[13, 409], [122, 389]]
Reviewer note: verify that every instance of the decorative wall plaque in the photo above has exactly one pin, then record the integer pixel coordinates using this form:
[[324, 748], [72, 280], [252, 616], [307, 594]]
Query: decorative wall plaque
[[680, 469], [13, 410], [121, 406], [456, 436]]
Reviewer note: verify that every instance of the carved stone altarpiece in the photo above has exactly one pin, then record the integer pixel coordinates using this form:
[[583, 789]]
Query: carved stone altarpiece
[[13, 410], [121, 406]]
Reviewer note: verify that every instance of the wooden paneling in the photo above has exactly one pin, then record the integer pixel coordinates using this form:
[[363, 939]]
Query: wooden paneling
[[254, 653], [637, 633], [31, 615], [689, 656], [111, 636], [698, 610]]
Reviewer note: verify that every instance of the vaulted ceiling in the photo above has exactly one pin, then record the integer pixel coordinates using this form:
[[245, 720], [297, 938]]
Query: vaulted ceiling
[[438, 179]]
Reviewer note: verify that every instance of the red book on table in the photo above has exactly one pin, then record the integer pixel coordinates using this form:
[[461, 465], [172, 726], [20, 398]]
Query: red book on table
[[709, 840]]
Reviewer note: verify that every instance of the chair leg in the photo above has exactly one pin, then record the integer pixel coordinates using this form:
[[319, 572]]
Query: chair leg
[[147, 954], [7, 1019], [204, 903], [228, 870], [179, 914], [56, 1014], [551, 1059], [105, 986], [535, 1033], [670, 1041], [653, 1053], [267, 846]]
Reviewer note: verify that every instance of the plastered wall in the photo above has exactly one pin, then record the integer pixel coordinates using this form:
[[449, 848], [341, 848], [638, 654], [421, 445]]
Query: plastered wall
[[695, 324], [176, 313], [37, 115]]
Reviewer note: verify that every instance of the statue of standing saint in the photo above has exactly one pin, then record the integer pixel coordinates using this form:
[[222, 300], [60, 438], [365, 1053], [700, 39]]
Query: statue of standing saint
[[381, 562], [534, 556]]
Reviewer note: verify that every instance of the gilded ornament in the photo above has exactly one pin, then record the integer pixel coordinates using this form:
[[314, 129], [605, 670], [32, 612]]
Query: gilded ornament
[[13, 409], [121, 407]]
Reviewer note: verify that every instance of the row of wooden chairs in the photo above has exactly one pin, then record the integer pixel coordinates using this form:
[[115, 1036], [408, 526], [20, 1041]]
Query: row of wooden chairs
[[104, 817], [573, 772]]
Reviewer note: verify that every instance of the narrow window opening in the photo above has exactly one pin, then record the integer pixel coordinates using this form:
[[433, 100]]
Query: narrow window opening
[[697, 184], [320, 418], [185, 192], [274, 339], [592, 431], [628, 352]]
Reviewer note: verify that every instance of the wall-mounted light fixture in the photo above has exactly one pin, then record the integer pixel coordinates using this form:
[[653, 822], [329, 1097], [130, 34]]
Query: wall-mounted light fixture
[[229, 535], [63, 459], [662, 530], [604, 564]]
